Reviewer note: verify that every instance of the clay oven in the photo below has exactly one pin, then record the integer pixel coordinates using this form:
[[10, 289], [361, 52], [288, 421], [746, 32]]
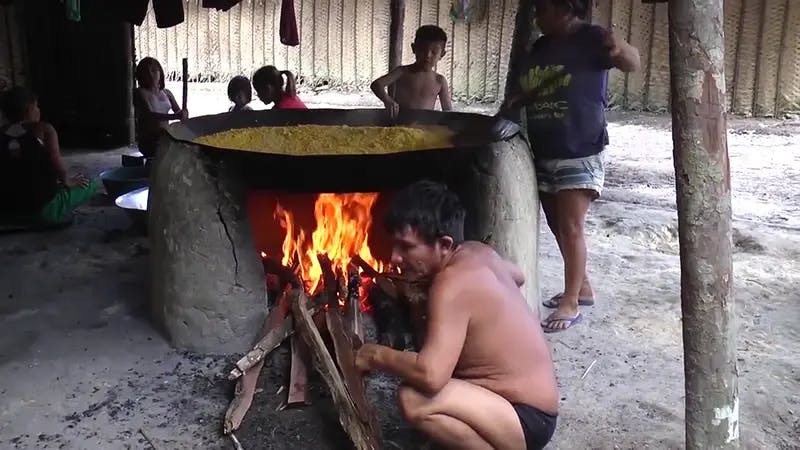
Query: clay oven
[[208, 282]]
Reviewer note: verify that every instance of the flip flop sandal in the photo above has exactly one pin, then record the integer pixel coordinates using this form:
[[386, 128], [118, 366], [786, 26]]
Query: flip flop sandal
[[554, 301], [547, 324]]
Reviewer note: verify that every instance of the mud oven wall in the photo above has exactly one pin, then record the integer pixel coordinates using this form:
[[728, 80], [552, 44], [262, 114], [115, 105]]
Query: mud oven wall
[[208, 288]]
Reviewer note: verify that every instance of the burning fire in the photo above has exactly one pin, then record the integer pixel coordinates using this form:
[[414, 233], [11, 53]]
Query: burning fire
[[343, 221]]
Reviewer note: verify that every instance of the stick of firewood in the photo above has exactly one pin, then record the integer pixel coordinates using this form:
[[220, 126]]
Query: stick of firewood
[[352, 310], [360, 433], [329, 284], [344, 343], [298, 377], [285, 274], [246, 385], [271, 340], [368, 270]]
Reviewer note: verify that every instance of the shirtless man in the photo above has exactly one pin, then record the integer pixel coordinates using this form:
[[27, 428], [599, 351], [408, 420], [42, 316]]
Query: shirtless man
[[484, 377], [417, 85]]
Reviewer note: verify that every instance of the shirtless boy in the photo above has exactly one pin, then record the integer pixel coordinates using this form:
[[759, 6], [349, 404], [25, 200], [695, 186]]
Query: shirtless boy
[[484, 378], [417, 85]]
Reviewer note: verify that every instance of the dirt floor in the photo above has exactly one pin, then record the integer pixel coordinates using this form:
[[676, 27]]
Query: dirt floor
[[82, 367]]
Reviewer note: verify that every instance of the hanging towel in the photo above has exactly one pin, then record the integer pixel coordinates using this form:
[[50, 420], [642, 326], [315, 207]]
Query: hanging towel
[[133, 11], [168, 12], [288, 31], [73, 10]]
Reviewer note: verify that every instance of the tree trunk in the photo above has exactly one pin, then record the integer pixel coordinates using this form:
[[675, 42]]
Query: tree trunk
[[702, 177]]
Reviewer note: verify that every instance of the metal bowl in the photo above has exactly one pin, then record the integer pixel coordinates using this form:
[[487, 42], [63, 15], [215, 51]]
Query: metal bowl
[[135, 204]]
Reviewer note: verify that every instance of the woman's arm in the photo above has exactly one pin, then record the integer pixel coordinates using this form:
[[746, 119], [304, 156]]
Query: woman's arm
[[143, 108], [623, 55], [182, 115]]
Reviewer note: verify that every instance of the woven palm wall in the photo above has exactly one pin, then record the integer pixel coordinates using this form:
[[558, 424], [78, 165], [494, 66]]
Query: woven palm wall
[[762, 54], [342, 42]]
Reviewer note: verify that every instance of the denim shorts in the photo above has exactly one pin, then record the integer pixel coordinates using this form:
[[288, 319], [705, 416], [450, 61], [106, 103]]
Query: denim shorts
[[555, 175]]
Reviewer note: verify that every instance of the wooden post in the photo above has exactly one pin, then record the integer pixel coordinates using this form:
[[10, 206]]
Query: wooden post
[[130, 85], [185, 80], [523, 36], [397, 10], [702, 177]]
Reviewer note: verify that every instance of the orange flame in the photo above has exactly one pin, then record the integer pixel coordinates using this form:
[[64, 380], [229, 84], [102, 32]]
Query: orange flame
[[343, 221]]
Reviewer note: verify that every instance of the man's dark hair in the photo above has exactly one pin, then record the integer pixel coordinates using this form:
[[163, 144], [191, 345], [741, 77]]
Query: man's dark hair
[[15, 103], [430, 33], [430, 209], [240, 83]]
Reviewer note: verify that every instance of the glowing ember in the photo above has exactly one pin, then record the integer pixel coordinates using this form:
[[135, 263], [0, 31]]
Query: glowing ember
[[343, 221]]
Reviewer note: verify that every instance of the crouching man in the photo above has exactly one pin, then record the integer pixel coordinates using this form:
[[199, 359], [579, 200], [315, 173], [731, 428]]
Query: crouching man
[[484, 378]]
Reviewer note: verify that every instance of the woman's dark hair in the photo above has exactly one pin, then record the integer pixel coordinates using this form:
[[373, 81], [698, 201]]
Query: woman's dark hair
[[270, 75], [430, 209], [240, 83], [15, 103], [143, 68]]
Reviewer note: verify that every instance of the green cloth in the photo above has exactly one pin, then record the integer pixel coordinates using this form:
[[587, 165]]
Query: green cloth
[[74, 10], [65, 201]]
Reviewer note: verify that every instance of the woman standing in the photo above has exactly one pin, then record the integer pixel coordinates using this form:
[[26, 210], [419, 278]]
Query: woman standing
[[563, 90]]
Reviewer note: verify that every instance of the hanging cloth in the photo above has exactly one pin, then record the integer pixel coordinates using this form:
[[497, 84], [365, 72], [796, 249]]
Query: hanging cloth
[[220, 5], [133, 11], [288, 30], [73, 10], [168, 12], [467, 11]]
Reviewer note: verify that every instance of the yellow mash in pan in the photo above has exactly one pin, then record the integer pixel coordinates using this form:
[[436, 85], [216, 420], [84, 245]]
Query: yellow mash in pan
[[330, 139]]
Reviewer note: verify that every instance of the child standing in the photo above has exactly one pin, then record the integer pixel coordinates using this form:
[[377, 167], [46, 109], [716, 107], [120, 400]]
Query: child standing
[[152, 104], [417, 86], [240, 93], [270, 87]]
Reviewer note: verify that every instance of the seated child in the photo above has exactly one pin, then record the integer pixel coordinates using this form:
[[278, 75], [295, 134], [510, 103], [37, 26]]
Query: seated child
[[33, 176], [240, 93], [417, 86], [152, 104], [270, 87]]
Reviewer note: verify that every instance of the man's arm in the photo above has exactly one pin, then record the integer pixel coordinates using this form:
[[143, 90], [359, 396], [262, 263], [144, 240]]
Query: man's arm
[[430, 369], [445, 98], [516, 273]]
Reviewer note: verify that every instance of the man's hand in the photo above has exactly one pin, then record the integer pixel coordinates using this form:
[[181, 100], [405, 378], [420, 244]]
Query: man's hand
[[79, 180], [392, 107], [365, 357], [184, 115]]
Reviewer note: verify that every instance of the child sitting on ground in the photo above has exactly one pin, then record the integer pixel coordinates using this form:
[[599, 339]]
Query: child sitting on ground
[[417, 86], [33, 176], [270, 87], [152, 104], [240, 93]]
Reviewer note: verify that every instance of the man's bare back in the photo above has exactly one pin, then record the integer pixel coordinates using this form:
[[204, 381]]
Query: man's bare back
[[504, 350], [483, 378]]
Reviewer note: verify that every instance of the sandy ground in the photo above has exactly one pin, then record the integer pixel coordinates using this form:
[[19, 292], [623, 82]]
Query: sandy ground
[[82, 368]]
